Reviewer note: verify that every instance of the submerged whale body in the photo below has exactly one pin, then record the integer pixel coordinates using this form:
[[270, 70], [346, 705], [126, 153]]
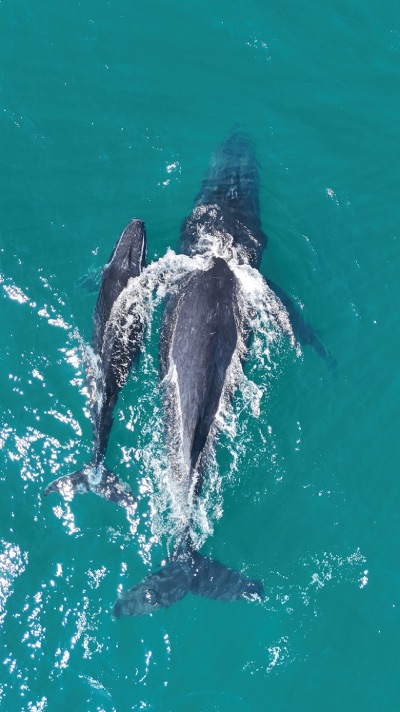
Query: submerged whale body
[[117, 340], [201, 328], [228, 203]]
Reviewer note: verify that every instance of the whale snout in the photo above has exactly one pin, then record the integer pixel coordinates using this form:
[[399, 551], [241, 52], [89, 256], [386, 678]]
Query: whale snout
[[130, 251]]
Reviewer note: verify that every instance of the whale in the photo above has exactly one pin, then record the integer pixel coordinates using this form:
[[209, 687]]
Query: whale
[[199, 335], [116, 346], [202, 328]]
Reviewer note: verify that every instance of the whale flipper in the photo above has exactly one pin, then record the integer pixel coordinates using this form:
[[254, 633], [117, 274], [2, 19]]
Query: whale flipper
[[90, 281], [195, 574], [98, 479], [303, 331]]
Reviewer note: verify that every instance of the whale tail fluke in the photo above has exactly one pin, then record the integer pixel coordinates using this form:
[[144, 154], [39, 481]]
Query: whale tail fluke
[[212, 579], [195, 574], [98, 479]]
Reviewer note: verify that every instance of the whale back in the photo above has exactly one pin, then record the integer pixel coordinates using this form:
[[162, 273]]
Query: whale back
[[118, 329], [126, 260], [199, 337]]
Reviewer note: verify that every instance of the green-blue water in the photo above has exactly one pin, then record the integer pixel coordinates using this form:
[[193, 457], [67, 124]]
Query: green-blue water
[[109, 111]]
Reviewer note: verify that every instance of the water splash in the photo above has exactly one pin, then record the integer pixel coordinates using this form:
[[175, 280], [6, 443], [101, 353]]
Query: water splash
[[12, 564], [298, 605], [262, 317], [260, 314]]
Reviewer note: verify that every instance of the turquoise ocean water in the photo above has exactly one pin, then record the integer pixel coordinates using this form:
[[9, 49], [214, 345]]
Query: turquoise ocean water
[[110, 111]]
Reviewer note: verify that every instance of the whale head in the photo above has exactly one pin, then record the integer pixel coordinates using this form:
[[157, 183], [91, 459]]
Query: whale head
[[227, 205], [129, 252]]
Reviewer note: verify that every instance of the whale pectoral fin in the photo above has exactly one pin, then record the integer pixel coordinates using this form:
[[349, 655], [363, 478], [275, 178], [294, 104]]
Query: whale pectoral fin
[[90, 282], [303, 331], [102, 482], [212, 579]]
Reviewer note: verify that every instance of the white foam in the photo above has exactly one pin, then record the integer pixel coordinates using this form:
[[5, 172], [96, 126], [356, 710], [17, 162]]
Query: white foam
[[260, 312], [163, 469]]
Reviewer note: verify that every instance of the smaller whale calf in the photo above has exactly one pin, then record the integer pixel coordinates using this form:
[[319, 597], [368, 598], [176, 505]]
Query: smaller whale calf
[[117, 342]]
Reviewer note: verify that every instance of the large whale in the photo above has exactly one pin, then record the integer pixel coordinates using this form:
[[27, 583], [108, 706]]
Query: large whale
[[116, 344], [202, 327]]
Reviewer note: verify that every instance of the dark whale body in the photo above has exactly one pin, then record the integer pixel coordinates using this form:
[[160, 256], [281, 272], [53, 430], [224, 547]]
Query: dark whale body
[[199, 336], [117, 340], [198, 339], [201, 328]]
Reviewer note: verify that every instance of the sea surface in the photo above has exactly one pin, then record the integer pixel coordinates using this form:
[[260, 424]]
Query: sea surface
[[111, 110]]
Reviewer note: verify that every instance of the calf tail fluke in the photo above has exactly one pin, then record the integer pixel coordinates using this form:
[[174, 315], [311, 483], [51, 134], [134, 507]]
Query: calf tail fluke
[[99, 480], [194, 574]]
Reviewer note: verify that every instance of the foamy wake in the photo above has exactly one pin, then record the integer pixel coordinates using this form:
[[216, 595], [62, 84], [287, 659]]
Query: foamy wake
[[263, 326]]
